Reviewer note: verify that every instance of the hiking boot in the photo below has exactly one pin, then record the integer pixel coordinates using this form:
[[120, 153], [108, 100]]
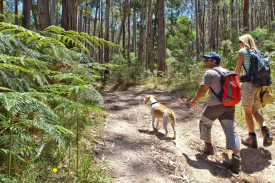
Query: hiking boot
[[250, 141], [208, 149], [267, 137], [234, 164]]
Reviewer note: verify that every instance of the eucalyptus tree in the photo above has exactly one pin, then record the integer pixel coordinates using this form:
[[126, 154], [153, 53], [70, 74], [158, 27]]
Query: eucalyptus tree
[[44, 14], [69, 14], [1, 6], [161, 37], [246, 15], [53, 12], [16, 12], [26, 19], [107, 33]]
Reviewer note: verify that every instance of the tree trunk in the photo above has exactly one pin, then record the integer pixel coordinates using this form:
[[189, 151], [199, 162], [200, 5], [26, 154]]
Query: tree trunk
[[79, 24], [232, 17], [197, 30], [2, 6], [122, 28], [53, 9], [141, 34], [16, 12], [34, 9], [95, 23], [213, 27], [129, 34], [161, 37], [43, 14], [239, 17], [271, 13], [217, 29], [101, 32], [26, 19], [246, 15], [86, 18], [203, 29], [151, 57], [134, 32], [252, 16], [69, 15], [107, 34], [145, 40], [225, 36]]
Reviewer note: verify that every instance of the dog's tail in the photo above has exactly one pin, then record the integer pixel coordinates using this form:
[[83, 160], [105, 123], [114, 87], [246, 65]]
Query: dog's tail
[[173, 117]]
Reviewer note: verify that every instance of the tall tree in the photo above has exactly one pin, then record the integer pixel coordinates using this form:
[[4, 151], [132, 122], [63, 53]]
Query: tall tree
[[53, 9], [141, 35], [101, 31], [203, 29], [16, 12], [43, 14], [232, 17], [34, 11], [129, 33], [161, 37], [197, 30], [95, 23], [69, 15], [79, 23], [246, 15], [151, 40], [252, 16], [145, 42], [26, 19], [2, 6], [122, 27], [134, 30], [107, 34]]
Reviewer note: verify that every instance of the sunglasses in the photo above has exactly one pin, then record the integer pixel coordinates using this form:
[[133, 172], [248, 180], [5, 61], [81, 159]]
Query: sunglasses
[[207, 59], [240, 41]]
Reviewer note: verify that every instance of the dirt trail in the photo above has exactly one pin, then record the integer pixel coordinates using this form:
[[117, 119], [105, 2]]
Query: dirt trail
[[136, 154]]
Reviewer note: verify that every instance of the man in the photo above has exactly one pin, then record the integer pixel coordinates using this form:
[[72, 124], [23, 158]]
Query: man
[[215, 110]]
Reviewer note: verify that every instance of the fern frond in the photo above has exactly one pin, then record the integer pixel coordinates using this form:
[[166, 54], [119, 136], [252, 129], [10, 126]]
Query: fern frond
[[69, 78], [53, 131], [6, 151]]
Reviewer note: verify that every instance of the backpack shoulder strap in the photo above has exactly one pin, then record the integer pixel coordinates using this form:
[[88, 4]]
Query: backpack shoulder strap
[[218, 71], [248, 50], [221, 74]]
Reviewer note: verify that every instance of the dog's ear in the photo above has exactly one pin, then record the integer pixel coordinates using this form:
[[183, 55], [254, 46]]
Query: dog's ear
[[154, 97], [146, 99]]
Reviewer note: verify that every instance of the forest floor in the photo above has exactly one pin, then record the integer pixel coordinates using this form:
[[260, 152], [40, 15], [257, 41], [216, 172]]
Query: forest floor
[[134, 153]]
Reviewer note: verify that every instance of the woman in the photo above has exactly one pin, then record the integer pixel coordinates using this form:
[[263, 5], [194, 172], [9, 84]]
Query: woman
[[250, 103]]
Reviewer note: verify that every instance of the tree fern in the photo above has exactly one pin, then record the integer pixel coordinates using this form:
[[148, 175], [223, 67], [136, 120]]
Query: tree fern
[[46, 88]]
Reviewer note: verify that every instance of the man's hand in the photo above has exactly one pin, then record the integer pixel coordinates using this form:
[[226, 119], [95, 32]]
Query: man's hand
[[201, 92], [193, 102]]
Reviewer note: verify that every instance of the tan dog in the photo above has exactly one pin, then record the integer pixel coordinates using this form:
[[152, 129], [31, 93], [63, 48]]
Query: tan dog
[[160, 111]]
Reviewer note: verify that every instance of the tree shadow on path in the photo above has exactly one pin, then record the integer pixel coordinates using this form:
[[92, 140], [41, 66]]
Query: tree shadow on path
[[159, 135], [202, 162], [255, 160]]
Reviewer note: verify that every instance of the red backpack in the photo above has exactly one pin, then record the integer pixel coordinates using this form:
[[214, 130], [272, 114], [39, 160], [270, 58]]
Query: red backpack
[[230, 93]]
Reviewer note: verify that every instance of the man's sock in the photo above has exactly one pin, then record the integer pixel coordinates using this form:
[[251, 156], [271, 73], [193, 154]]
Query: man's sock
[[253, 134]]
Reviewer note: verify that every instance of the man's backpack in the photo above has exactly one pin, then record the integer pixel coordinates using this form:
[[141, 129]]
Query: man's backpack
[[259, 71], [230, 93]]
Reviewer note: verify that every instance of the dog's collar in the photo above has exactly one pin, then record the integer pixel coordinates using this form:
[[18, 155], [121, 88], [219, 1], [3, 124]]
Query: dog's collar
[[154, 103]]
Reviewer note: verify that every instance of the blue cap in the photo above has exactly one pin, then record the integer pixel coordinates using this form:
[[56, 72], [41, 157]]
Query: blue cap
[[213, 56]]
